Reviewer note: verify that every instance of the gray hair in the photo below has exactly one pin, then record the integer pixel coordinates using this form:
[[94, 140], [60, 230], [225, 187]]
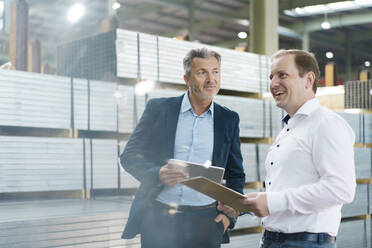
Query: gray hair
[[203, 53]]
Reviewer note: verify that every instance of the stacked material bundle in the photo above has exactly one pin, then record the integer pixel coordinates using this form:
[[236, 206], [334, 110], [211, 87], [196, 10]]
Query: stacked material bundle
[[355, 122], [249, 162], [40, 164], [352, 234], [358, 94], [363, 162], [145, 56], [34, 100], [368, 128], [359, 206], [252, 116]]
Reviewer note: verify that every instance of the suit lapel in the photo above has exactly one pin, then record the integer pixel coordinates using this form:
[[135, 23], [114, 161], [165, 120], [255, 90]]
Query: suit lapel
[[173, 110], [219, 133]]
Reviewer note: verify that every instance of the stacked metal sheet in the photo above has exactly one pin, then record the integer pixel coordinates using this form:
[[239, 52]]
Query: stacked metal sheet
[[248, 240], [368, 128], [263, 150], [363, 162], [34, 100], [126, 180], [250, 161], [160, 59], [359, 206], [352, 234], [358, 94], [252, 116], [40, 164], [355, 122], [90, 58]]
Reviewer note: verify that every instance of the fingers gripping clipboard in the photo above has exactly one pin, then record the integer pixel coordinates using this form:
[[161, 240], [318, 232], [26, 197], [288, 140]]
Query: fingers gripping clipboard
[[217, 192]]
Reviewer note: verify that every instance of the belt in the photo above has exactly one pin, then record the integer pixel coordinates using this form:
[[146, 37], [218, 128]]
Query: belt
[[184, 208], [302, 236]]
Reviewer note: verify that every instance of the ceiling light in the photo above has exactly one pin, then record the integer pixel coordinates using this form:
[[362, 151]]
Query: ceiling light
[[242, 35], [75, 12], [330, 8], [115, 6], [326, 25], [367, 63], [329, 55], [1, 6], [144, 87]]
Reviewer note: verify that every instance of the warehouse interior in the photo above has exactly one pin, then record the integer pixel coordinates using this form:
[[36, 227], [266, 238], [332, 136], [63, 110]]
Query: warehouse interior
[[75, 78]]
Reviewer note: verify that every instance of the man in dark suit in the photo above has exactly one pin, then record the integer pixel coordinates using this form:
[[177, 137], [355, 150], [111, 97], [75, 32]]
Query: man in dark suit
[[190, 127]]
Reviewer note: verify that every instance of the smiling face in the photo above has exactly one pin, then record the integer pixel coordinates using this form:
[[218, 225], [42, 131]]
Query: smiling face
[[204, 78], [290, 91]]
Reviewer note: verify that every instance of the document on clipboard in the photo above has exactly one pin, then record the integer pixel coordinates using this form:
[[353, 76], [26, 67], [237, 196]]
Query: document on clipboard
[[218, 192], [213, 173]]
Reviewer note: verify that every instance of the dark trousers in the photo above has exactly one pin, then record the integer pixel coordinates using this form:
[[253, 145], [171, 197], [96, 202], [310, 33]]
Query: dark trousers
[[166, 228]]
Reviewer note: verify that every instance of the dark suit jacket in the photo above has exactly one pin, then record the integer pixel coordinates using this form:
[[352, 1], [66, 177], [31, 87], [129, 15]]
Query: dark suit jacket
[[152, 144]]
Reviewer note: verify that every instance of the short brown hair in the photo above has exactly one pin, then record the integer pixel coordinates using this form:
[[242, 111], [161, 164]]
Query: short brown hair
[[305, 62], [203, 53]]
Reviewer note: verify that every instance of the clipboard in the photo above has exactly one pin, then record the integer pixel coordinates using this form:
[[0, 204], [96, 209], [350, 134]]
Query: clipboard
[[218, 192], [213, 173]]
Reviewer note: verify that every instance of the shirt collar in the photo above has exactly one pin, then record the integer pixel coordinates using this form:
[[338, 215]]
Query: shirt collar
[[186, 105], [305, 109]]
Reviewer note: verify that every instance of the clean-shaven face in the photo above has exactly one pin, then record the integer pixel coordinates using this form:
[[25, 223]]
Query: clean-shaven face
[[204, 79], [287, 87]]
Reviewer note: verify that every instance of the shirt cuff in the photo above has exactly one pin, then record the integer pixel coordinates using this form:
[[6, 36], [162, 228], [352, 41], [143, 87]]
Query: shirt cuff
[[276, 202]]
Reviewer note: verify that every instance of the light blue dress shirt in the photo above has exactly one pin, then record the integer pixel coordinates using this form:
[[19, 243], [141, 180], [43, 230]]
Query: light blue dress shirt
[[193, 143]]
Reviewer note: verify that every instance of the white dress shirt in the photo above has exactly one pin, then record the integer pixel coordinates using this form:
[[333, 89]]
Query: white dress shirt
[[310, 172], [194, 143]]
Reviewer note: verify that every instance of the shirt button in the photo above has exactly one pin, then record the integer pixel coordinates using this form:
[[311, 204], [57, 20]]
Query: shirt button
[[272, 163], [277, 145], [287, 129], [269, 183]]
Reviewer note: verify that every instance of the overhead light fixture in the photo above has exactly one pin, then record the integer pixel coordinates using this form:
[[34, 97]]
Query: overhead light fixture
[[367, 63], [115, 6], [144, 87], [329, 55], [242, 35], [75, 13], [325, 24], [330, 8]]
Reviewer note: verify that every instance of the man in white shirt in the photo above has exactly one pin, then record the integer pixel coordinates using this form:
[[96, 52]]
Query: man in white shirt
[[310, 166]]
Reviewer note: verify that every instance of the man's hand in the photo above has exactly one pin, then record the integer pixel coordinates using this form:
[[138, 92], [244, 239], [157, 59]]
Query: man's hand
[[171, 176], [229, 211], [257, 202], [225, 221]]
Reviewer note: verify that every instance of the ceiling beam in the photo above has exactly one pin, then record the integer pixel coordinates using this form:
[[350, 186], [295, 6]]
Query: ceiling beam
[[291, 4], [335, 21]]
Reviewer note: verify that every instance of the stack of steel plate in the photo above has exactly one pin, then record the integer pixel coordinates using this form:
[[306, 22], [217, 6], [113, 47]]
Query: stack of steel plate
[[363, 162], [247, 240], [368, 128], [263, 150], [252, 116], [249, 162], [352, 234], [126, 180], [40, 164], [34, 100], [359, 206], [146, 56], [354, 120]]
